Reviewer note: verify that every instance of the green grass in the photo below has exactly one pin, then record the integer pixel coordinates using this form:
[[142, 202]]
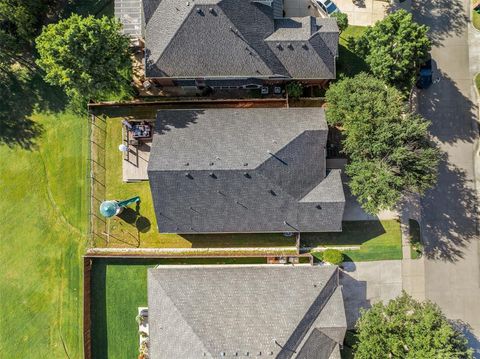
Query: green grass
[[124, 230], [378, 240], [119, 287], [476, 19], [349, 64], [43, 227], [415, 239]]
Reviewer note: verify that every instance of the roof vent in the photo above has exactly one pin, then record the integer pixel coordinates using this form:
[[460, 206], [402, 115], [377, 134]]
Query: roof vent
[[210, 10], [188, 175], [289, 45], [212, 163], [188, 3], [199, 11], [222, 354], [187, 164], [318, 206], [213, 175], [272, 192], [245, 164], [246, 174], [279, 45], [304, 45]]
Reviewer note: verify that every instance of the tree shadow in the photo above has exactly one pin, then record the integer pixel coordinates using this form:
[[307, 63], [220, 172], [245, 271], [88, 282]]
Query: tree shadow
[[16, 105], [443, 17], [449, 214], [451, 113], [466, 330], [21, 94]]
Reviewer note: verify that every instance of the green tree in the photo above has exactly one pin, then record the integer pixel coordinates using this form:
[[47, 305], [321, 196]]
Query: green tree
[[394, 48], [388, 147], [405, 328], [20, 23], [86, 56], [342, 20]]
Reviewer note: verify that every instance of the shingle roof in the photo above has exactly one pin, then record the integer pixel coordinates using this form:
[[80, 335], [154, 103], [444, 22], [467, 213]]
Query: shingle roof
[[225, 138], [243, 170], [229, 38], [204, 311]]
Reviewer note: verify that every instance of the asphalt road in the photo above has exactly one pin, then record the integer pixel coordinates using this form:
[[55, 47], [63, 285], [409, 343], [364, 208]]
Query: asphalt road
[[449, 220]]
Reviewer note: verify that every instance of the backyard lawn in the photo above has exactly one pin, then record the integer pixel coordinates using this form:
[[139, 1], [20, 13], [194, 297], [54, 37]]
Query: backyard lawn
[[119, 287], [125, 231], [348, 63], [378, 240]]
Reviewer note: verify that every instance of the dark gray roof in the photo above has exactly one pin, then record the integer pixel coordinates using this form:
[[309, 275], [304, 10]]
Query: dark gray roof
[[233, 38], [229, 138], [243, 170], [259, 311]]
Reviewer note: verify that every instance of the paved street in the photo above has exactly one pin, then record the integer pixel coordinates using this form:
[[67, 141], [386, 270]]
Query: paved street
[[452, 276]]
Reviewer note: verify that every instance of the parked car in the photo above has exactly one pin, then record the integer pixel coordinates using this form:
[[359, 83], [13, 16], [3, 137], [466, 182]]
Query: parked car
[[328, 6], [425, 75]]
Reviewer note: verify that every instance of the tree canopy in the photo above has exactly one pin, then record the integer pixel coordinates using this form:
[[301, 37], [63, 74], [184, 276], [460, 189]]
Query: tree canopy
[[86, 56], [405, 328], [394, 48], [342, 20], [20, 23], [388, 147]]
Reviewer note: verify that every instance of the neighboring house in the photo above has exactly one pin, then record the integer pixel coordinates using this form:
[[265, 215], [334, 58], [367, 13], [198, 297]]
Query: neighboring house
[[231, 43], [245, 312], [243, 170]]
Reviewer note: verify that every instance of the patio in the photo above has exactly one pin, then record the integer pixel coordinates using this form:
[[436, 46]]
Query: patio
[[136, 152]]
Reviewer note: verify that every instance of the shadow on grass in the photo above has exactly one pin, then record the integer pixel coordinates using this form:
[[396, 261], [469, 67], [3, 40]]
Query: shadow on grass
[[239, 240], [21, 94], [353, 233], [98, 310], [350, 64]]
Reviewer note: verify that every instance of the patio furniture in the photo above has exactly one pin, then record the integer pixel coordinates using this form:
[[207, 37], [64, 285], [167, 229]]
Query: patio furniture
[[141, 131]]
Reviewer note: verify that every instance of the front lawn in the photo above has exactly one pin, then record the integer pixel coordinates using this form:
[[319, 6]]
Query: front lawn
[[416, 245], [476, 19], [349, 63], [378, 240]]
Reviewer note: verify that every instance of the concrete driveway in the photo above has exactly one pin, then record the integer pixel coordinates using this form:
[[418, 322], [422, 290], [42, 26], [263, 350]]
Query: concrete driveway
[[448, 211], [366, 283]]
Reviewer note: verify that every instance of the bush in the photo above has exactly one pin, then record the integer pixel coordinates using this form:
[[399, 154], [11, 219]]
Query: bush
[[294, 89], [333, 256]]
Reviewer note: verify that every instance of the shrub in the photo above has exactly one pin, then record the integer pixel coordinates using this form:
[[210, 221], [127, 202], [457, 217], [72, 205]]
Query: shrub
[[294, 89], [333, 256]]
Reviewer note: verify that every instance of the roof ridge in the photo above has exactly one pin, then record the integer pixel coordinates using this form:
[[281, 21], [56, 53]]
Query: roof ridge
[[298, 335]]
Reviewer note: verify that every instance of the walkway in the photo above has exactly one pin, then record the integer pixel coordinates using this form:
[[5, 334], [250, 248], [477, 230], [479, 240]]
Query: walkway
[[448, 211]]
